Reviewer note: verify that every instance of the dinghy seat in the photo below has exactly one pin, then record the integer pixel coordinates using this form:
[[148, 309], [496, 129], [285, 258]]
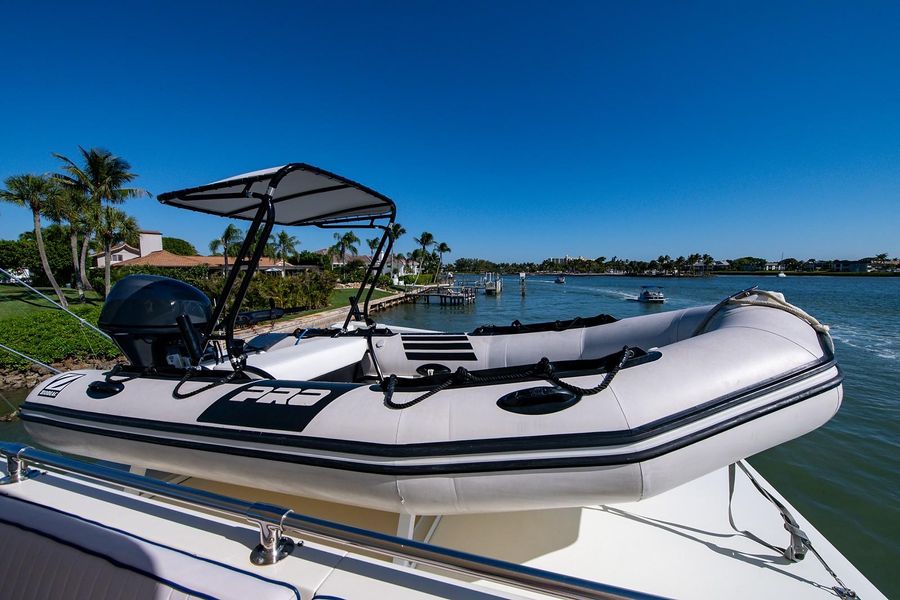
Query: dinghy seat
[[493, 347], [311, 358]]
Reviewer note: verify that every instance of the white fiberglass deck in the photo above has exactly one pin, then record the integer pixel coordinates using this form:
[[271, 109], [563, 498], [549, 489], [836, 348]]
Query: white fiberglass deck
[[678, 544]]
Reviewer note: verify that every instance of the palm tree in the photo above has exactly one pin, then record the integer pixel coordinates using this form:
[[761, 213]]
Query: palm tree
[[115, 227], [89, 218], [344, 243], [665, 261], [285, 244], [372, 243], [103, 179], [692, 260], [35, 192], [215, 247], [425, 240], [397, 231], [231, 237], [71, 206], [442, 248]]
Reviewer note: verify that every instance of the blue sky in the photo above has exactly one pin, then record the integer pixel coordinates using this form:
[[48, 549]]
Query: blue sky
[[512, 131]]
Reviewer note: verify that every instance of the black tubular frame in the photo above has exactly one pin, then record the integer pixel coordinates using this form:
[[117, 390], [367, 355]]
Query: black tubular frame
[[370, 279], [257, 237]]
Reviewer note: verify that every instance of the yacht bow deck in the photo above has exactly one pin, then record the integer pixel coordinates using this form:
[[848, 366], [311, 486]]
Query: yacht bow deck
[[679, 544]]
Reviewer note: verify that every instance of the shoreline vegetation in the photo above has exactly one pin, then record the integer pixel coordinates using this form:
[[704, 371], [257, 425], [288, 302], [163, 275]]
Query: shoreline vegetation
[[53, 337], [43, 332], [715, 273]]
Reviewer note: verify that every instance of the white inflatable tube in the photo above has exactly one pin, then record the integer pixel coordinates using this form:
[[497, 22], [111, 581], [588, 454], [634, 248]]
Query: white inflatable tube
[[757, 376]]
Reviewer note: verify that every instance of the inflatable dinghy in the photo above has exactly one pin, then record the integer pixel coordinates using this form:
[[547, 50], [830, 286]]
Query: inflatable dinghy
[[567, 413], [491, 425]]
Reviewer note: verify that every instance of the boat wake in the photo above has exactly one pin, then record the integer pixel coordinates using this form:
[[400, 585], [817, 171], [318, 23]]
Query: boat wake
[[611, 293], [883, 346]]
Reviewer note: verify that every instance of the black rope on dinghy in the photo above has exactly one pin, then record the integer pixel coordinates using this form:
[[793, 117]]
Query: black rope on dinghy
[[610, 375], [177, 394], [543, 369]]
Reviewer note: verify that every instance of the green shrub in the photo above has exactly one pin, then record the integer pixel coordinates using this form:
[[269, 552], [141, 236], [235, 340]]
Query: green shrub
[[303, 291], [423, 279], [52, 336], [193, 275]]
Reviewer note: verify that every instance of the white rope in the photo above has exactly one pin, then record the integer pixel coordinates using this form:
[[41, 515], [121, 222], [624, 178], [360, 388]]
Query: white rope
[[776, 300], [755, 297]]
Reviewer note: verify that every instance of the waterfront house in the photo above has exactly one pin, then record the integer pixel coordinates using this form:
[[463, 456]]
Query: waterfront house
[[166, 259], [405, 266], [864, 265], [149, 242]]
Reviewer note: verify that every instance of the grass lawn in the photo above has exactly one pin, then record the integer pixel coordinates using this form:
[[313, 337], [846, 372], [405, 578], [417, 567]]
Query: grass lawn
[[32, 325], [16, 300], [339, 299]]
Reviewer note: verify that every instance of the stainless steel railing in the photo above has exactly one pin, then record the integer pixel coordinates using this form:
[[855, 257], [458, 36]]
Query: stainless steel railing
[[273, 521]]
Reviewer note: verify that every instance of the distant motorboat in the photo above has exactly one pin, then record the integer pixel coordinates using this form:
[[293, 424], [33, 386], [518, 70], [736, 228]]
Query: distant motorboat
[[781, 274], [560, 279], [651, 294]]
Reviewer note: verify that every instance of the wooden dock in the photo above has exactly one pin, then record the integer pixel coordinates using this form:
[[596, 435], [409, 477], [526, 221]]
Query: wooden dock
[[325, 318], [445, 296]]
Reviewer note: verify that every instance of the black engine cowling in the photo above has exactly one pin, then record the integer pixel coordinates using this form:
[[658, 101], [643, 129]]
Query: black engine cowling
[[142, 314]]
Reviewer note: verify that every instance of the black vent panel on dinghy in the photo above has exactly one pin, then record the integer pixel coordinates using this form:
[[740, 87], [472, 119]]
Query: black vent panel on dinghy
[[438, 347]]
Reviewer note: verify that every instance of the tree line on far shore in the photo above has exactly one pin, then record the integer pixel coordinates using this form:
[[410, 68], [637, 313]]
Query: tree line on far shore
[[693, 264]]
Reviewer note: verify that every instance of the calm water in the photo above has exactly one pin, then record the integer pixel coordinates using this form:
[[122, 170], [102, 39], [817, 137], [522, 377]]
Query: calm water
[[844, 477]]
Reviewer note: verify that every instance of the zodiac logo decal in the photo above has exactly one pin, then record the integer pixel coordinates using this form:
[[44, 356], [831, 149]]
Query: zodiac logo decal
[[52, 389]]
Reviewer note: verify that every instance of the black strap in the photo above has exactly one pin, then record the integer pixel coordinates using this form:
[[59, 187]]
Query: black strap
[[795, 551], [543, 370]]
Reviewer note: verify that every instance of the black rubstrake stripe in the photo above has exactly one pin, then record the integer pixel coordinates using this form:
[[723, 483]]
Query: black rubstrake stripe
[[436, 346], [457, 468], [408, 337], [451, 356], [475, 446]]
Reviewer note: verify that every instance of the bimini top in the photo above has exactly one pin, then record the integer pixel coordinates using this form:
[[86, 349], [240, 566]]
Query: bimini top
[[301, 194]]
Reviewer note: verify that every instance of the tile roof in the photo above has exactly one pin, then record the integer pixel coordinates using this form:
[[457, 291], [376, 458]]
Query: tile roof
[[164, 258], [116, 248]]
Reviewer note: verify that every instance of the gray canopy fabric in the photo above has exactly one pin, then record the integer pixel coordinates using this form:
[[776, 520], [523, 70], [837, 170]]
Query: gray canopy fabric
[[303, 195]]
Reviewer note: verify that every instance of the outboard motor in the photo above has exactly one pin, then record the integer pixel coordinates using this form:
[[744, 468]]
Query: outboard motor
[[158, 322]]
